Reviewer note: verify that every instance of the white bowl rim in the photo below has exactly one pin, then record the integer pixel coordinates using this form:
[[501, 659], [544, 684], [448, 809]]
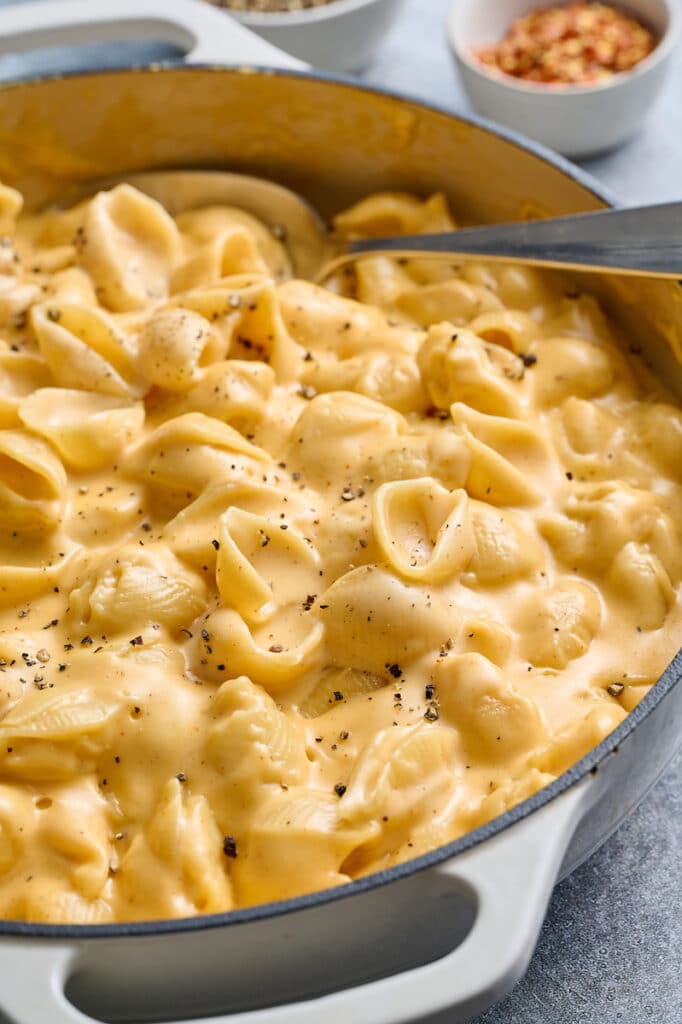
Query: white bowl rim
[[560, 90], [309, 15]]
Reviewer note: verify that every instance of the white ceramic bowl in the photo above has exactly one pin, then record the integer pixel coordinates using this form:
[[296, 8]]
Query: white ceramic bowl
[[576, 120], [339, 36]]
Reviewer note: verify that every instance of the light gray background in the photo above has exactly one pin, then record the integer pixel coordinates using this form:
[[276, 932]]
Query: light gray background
[[610, 947]]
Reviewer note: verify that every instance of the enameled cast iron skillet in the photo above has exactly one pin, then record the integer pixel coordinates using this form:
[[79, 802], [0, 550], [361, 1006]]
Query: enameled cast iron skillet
[[450, 932]]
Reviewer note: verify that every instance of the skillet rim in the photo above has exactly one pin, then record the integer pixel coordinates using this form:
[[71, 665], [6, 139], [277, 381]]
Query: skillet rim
[[589, 764]]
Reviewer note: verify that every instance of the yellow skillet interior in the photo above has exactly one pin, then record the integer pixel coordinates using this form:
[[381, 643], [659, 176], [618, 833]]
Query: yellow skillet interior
[[334, 142]]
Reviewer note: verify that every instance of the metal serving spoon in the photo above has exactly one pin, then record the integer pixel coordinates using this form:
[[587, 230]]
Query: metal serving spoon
[[646, 241]]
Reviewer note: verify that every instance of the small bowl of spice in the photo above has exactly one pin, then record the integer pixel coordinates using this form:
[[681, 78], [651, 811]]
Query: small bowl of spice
[[337, 35], [579, 76]]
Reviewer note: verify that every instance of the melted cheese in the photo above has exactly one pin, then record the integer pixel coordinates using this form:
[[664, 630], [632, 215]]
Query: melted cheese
[[298, 583]]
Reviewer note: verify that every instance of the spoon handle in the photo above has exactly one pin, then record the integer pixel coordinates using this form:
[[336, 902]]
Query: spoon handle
[[644, 241]]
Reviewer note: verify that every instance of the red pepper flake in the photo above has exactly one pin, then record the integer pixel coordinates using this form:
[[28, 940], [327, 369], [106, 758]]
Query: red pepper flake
[[578, 42]]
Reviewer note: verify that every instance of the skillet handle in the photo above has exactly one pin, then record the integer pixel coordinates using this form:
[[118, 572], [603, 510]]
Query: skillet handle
[[508, 878], [208, 36]]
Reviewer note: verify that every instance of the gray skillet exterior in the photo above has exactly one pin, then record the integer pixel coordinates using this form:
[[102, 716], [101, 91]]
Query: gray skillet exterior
[[299, 129]]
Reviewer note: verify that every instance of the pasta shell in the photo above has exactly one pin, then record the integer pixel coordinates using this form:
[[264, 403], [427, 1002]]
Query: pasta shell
[[558, 624], [209, 222], [296, 845], [32, 482], [190, 532], [506, 546], [186, 454], [129, 246], [571, 366], [178, 858], [319, 320], [496, 724], [251, 742], [404, 778], [20, 375], [172, 346], [139, 587], [232, 391], [508, 328], [260, 568], [457, 366], [371, 620], [454, 301], [274, 656], [638, 579], [85, 350], [62, 717], [88, 429], [348, 681], [423, 530], [394, 213]]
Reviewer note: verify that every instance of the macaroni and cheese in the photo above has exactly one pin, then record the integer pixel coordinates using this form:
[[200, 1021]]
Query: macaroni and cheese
[[297, 583]]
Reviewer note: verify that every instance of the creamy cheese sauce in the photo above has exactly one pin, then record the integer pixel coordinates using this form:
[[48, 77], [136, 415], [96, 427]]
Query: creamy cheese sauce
[[298, 583]]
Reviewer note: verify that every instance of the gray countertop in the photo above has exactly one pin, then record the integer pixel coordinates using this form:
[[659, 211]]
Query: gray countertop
[[609, 949]]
